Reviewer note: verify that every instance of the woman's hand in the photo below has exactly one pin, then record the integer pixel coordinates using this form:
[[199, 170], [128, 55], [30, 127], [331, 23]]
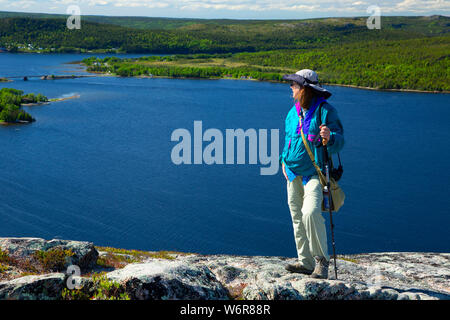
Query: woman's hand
[[325, 132], [284, 171]]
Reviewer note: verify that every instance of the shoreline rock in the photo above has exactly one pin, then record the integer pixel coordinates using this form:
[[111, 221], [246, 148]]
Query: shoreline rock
[[178, 276], [83, 255]]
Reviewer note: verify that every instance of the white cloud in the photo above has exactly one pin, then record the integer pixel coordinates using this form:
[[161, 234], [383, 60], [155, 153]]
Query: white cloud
[[241, 7], [147, 4], [421, 5], [340, 6], [20, 4]]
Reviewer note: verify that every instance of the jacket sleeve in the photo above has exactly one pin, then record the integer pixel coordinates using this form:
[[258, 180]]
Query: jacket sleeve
[[286, 142], [333, 122], [287, 134]]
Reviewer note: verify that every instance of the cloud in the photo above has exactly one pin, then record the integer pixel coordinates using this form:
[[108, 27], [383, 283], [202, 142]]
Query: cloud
[[421, 5], [268, 5], [20, 4], [242, 7]]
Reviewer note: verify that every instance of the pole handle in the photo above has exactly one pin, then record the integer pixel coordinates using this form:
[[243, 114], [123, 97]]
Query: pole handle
[[324, 141]]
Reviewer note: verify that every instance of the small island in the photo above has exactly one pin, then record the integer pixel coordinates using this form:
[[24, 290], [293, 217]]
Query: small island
[[11, 101]]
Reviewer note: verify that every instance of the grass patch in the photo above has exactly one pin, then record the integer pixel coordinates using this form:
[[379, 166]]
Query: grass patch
[[347, 259], [4, 267], [4, 257], [101, 289], [111, 260], [53, 259], [119, 258]]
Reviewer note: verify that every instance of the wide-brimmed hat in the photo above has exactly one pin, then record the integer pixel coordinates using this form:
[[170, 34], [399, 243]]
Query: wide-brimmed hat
[[308, 78]]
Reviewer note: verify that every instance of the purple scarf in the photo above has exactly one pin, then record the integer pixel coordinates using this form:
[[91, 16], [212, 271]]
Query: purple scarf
[[306, 121]]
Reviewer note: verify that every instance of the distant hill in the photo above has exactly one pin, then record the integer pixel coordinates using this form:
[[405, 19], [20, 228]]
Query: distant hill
[[130, 22], [48, 33], [426, 24]]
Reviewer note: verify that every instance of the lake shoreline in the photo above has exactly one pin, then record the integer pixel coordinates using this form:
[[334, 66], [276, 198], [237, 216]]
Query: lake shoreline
[[20, 122], [378, 89], [75, 96], [103, 74]]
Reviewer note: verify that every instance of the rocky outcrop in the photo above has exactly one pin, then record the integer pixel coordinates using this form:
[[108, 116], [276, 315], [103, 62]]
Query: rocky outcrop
[[44, 287], [385, 276], [388, 276], [84, 254], [169, 280]]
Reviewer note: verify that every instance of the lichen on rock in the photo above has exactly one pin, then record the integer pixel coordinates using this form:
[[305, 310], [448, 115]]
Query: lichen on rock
[[177, 276]]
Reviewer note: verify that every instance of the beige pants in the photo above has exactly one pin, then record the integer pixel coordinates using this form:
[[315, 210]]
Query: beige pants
[[305, 204]]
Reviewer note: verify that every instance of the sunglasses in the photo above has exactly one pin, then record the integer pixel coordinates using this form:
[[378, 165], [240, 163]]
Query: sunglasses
[[295, 84]]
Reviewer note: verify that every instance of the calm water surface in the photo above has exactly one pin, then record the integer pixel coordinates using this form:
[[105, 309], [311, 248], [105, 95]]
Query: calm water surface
[[98, 168]]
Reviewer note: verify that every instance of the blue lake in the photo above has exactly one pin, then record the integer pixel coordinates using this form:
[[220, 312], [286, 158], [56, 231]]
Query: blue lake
[[99, 168]]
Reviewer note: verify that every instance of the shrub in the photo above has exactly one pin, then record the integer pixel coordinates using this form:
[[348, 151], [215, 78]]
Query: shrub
[[53, 259], [4, 257], [103, 289]]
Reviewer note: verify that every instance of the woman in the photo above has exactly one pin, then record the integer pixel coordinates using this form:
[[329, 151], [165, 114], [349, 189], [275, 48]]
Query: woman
[[304, 190]]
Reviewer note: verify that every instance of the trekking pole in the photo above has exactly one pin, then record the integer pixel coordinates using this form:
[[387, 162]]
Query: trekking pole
[[327, 175]]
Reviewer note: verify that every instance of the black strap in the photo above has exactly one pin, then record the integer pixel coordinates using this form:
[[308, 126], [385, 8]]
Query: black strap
[[320, 123]]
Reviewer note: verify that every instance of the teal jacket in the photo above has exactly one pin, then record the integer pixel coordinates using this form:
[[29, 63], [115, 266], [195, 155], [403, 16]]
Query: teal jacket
[[294, 154]]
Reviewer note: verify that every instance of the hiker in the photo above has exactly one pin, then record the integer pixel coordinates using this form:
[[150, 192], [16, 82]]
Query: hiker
[[304, 190]]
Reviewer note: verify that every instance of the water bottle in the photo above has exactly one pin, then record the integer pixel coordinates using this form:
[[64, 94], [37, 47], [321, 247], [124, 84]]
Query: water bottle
[[326, 205]]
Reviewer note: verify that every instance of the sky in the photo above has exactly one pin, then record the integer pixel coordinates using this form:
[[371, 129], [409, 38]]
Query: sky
[[233, 9]]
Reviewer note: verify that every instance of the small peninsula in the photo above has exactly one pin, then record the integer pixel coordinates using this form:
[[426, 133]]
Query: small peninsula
[[11, 101]]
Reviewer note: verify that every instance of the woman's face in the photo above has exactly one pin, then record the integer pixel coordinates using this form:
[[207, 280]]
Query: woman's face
[[295, 90]]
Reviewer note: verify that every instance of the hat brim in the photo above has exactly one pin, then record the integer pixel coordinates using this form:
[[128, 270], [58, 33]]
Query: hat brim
[[302, 81]]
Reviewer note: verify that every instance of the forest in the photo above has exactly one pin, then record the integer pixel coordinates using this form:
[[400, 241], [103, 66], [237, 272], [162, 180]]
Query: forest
[[10, 105], [415, 64], [25, 34], [406, 53]]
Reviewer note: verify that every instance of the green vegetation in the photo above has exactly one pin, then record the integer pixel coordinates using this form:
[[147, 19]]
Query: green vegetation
[[182, 66], [347, 259], [53, 259], [4, 261], [11, 101], [32, 98], [96, 286], [102, 287], [4, 256], [119, 258], [112, 34], [414, 64], [4, 268], [409, 53], [417, 64]]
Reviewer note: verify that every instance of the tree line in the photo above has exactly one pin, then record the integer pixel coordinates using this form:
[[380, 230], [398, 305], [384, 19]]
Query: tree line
[[415, 64], [52, 35], [10, 105]]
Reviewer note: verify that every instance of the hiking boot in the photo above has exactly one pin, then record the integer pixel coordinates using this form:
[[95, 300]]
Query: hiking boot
[[298, 268], [321, 269]]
